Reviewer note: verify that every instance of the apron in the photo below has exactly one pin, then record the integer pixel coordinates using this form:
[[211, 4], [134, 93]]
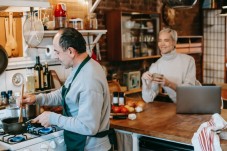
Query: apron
[[75, 141]]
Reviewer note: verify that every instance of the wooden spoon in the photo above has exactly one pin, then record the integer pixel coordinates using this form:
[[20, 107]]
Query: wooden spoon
[[20, 119], [7, 45], [15, 51], [13, 43]]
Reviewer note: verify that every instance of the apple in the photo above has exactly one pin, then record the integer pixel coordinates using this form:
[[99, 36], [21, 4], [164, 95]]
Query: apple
[[124, 109], [116, 109]]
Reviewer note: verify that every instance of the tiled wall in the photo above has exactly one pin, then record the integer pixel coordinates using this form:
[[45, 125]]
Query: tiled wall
[[214, 46]]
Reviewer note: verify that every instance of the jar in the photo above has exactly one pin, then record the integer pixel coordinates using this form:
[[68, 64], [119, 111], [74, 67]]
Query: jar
[[91, 21], [60, 15], [76, 23]]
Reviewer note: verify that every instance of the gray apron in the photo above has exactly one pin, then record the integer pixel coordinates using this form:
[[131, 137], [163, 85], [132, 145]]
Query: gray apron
[[75, 141]]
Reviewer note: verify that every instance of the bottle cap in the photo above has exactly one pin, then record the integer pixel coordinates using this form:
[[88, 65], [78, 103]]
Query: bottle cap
[[115, 94], [10, 92]]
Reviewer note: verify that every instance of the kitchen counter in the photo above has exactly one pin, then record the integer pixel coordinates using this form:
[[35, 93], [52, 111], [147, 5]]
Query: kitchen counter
[[159, 119]]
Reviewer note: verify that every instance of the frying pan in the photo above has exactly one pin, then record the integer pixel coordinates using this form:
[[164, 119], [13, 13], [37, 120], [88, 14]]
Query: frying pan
[[12, 127], [3, 59]]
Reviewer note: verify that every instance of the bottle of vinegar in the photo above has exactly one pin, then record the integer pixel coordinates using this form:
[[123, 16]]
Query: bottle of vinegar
[[38, 69], [46, 77]]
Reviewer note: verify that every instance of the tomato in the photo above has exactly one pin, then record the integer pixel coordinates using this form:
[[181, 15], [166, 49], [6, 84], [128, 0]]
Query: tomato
[[124, 110], [116, 109]]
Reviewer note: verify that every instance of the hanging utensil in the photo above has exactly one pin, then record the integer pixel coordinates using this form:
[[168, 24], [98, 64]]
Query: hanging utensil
[[20, 119], [7, 45], [33, 30], [15, 52], [13, 43]]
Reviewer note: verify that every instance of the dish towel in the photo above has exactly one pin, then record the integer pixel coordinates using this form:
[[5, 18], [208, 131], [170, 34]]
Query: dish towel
[[206, 138]]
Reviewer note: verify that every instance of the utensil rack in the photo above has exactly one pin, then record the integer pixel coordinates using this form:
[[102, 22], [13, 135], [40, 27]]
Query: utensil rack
[[94, 33]]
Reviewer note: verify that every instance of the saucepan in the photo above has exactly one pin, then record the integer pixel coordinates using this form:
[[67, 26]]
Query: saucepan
[[3, 59], [12, 127]]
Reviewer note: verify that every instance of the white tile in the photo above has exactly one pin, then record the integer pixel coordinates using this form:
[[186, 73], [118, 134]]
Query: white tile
[[3, 82]]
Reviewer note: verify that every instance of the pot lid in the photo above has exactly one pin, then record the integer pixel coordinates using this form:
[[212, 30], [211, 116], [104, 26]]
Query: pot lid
[[3, 60], [180, 3]]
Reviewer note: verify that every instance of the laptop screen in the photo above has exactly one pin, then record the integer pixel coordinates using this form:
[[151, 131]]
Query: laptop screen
[[198, 99]]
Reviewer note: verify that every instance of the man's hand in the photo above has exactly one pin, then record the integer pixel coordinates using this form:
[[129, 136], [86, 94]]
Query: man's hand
[[43, 119]]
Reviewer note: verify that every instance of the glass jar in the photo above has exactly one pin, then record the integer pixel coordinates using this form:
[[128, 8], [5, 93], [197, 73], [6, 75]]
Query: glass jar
[[91, 21]]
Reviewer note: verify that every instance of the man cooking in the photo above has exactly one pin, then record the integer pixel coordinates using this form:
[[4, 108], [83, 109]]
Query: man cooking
[[84, 96], [171, 70]]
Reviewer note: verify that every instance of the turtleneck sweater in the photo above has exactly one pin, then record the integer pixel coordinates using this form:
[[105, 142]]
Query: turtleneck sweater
[[177, 68]]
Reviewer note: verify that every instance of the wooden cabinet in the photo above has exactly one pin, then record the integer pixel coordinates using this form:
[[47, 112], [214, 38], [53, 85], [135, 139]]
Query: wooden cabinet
[[192, 45], [189, 44], [132, 35]]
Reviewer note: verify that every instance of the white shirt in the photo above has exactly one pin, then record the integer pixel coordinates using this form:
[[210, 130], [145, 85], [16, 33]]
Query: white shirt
[[176, 67]]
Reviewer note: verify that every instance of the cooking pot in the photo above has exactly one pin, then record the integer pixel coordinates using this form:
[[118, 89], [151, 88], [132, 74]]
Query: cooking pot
[[3, 59], [32, 111], [12, 127]]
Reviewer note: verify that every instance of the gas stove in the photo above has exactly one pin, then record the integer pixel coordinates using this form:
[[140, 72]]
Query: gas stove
[[35, 139]]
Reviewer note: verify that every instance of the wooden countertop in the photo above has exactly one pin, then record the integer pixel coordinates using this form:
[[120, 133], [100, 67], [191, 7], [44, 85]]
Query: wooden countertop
[[159, 119]]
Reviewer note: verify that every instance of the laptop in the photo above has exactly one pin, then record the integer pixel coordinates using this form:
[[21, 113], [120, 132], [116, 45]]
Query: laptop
[[198, 99]]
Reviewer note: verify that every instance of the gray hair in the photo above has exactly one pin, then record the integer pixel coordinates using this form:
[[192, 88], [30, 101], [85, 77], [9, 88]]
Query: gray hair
[[172, 32]]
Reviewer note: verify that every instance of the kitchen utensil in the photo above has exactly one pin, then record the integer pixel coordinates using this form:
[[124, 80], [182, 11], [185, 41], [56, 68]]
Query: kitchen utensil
[[33, 30], [15, 51], [7, 45], [20, 119], [3, 59], [12, 41], [12, 127], [32, 111]]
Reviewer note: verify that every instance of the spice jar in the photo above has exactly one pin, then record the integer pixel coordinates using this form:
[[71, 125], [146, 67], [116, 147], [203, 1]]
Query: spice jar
[[91, 21]]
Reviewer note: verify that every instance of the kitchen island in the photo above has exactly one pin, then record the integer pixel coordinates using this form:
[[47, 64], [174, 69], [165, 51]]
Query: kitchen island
[[159, 120]]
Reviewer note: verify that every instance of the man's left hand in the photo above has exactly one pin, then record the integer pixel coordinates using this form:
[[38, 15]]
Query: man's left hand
[[43, 119]]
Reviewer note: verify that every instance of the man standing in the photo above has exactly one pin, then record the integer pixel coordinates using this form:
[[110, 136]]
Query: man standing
[[84, 96]]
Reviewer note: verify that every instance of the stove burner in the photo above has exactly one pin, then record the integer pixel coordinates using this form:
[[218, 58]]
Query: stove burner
[[17, 139], [46, 130]]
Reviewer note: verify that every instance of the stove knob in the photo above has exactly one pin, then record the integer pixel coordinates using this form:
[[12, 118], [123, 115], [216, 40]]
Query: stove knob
[[53, 144], [44, 146]]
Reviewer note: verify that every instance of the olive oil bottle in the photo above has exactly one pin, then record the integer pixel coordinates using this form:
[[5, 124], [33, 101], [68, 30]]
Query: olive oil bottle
[[38, 69], [46, 77]]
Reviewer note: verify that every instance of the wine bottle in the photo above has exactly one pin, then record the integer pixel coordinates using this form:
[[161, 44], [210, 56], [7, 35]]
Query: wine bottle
[[46, 77], [38, 68]]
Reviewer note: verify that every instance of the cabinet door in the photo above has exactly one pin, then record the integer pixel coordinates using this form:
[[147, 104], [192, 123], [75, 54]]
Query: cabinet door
[[132, 35]]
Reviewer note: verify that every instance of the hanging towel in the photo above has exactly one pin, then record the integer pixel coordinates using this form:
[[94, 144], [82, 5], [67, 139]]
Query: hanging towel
[[206, 138]]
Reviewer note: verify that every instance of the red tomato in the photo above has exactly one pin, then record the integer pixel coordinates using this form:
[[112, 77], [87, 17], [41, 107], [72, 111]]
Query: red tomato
[[124, 110], [116, 109]]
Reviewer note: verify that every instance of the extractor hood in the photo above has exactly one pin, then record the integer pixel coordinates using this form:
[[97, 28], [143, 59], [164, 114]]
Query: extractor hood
[[25, 3]]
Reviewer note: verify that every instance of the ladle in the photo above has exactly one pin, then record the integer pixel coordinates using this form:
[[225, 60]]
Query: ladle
[[20, 119]]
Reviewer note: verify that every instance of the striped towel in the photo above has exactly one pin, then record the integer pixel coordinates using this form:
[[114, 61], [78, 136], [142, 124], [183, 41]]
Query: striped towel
[[206, 137]]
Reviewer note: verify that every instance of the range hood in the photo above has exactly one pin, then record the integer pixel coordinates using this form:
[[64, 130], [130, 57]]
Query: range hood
[[25, 3]]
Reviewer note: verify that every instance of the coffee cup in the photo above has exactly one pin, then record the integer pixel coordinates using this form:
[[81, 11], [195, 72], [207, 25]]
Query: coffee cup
[[157, 75]]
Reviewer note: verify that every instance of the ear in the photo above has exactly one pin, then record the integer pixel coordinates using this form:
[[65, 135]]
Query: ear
[[71, 50]]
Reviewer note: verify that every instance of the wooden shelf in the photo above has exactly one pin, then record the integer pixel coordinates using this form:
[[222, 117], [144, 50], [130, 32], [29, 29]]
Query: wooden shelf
[[142, 58]]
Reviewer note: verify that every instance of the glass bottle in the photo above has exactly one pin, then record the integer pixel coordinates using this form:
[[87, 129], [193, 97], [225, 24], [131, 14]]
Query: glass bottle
[[60, 15], [11, 99], [46, 77], [4, 98], [121, 98], [30, 80], [91, 21], [115, 99], [38, 70]]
